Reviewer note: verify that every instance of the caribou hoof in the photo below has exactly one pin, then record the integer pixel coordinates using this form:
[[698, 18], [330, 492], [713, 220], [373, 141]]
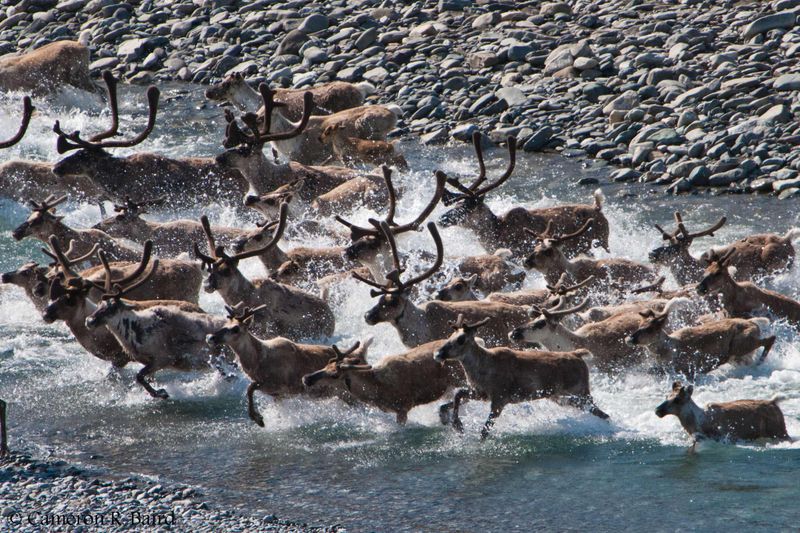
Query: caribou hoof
[[258, 419], [162, 394], [444, 415]]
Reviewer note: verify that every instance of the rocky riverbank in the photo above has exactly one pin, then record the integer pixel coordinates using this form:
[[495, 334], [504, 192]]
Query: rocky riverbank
[[687, 94], [54, 496]]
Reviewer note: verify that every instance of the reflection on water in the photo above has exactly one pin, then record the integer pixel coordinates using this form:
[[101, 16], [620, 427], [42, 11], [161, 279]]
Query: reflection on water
[[546, 466]]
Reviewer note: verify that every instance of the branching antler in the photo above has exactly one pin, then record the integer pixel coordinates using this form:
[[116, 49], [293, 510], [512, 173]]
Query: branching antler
[[357, 232], [261, 134], [460, 324], [218, 254], [73, 141], [475, 191], [394, 283], [682, 236]]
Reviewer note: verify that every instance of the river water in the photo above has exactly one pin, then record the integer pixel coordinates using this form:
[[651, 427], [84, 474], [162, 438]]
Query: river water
[[545, 467]]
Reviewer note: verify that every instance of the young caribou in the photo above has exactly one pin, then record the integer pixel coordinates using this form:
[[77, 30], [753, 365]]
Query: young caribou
[[504, 376], [283, 310], [737, 420], [350, 150], [371, 122], [741, 299], [397, 383], [759, 255], [277, 366], [183, 182], [419, 324], [507, 230], [158, 335], [549, 258], [701, 348]]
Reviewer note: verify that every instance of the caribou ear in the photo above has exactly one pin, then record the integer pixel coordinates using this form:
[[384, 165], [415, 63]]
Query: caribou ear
[[688, 390], [676, 385]]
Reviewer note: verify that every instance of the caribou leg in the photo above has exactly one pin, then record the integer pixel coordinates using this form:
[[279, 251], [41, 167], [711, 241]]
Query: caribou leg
[[767, 344], [3, 430], [251, 406], [497, 408], [141, 379], [461, 396], [586, 403]]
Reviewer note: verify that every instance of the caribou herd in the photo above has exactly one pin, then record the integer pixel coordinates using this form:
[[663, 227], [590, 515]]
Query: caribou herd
[[128, 287]]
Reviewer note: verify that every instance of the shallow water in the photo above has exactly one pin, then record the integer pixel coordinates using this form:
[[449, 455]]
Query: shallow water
[[546, 466]]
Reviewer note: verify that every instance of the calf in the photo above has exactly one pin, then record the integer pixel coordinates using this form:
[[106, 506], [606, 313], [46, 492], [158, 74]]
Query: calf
[[737, 420]]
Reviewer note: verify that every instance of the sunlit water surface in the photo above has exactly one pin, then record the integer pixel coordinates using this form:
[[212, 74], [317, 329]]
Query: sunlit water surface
[[546, 466]]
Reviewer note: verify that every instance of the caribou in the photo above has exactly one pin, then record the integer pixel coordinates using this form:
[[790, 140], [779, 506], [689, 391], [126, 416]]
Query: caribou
[[328, 97], [157, 334], [351, 150], [73, 296], [703, 348], [43, 222], [277, 366], [419, 324], [169, 238], [736, 420], [754, 256], [548, 257], [744, 298], [244, 152], [605, 339], [504, 376], [283, 310], [507, 230], [47, 70], [183, 182]]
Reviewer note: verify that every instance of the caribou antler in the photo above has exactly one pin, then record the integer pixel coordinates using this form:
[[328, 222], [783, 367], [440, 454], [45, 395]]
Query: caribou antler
[[459, 323], [242, 313], [356, 232], [27, 112], [258, 135], [394, 283], [555, 312], [218, 254], [48, 203], [73, 141], [340, 355], [682, 236], [474, 191]]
